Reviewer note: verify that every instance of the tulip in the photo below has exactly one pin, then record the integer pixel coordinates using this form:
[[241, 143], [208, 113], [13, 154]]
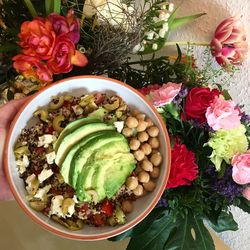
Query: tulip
[[229, 46]]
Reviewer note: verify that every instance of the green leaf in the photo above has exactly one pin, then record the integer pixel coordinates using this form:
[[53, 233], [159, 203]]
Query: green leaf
[[180, 21], [226, 94], [171, 108], [245, 205], [8, 47], [31, 8], [140, 228], [178, 59], [155, 236], [224, 222], [57, 6], [190, 234], [49, 6]]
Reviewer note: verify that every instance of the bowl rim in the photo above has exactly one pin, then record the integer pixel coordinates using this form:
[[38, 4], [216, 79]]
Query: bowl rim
[[71, 235]]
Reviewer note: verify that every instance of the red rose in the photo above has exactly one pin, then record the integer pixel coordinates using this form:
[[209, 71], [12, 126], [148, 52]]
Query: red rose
[[183, 168], [146, 90], [197, 102], [37, 38], [65, 56], [32, 68]]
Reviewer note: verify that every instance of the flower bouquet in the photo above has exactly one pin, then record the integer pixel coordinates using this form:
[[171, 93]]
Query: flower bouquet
[[210, 133]]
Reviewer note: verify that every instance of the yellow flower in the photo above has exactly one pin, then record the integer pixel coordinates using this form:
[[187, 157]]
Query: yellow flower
[[227, 143]]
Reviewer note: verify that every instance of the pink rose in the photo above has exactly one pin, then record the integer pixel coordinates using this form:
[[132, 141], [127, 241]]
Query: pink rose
[[241, 168], [165, 94], [246, 193], [65, 56], [146, 90], [69, 25], [222, 114]]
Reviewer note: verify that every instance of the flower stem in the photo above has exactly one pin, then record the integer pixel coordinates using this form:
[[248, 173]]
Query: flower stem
[[187, 43], [31, 8]]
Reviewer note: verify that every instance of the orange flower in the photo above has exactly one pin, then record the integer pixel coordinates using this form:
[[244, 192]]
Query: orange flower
[[32, 68], [37, 38], [65, 56]]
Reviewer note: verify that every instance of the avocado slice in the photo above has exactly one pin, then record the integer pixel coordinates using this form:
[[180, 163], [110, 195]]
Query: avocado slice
[[75, 136], [73, 126], [99, 113], [65, 167], [113, 155], [85, 152]]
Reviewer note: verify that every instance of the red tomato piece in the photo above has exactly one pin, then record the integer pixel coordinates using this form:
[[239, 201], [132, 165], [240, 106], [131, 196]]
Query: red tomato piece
[[98, 220], [107, 208]]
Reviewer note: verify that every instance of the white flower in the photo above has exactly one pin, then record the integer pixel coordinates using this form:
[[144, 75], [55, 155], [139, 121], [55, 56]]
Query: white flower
[[90, 7], [165, 26], [164, 15], [171, 7], [150, 35], [136, 48], [162, 33], [155, 46]]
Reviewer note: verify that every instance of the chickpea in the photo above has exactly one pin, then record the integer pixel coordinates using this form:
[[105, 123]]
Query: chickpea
[[134, 144], [140, 117], [147, 165], [127, 206], [127, 132], [149, 122], [154, 142], [139, 155], [155, 173], [149, 186], [142, 125], [132, 182], [153, 131], [156, 159], [138, 191], [154, 151], [131, 122], [142, 136], [138, 169], [143, 177], [146, 148]]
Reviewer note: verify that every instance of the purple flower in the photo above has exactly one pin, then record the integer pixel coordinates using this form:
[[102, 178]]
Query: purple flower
[[225, 186], [245, 118], [182, 94], [162, 203]]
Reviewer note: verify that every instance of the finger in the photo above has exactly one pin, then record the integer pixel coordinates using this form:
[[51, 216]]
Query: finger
[[9, 110]]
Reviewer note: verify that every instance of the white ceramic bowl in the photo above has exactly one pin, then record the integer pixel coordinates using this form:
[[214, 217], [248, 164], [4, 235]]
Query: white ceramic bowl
[[77, 86]]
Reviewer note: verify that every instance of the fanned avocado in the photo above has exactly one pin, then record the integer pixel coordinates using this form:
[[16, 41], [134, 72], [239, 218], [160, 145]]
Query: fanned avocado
[[65, 167], [73, 126], [85, 152], [111, 157], [99, 113], [75, 136]]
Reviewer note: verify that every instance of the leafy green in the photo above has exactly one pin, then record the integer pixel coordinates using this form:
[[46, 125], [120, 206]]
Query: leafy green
[[31, 8], [244, 205]]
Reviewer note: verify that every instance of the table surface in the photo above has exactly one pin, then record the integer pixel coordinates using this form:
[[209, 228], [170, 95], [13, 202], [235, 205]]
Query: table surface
[[18, 232]]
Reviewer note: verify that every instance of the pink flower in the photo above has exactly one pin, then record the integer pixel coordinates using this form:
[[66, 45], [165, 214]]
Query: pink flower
[[165, 94], [32, 68], [146, 90], [65, 56], [222, 114], [246, 193], [229, 45], [69, 25], [241, 168]]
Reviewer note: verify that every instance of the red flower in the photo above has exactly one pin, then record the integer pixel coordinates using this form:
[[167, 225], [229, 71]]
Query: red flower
[[37, 38], [32, 68], [197, 102], [65, 56], [69, 25], [183, 168]]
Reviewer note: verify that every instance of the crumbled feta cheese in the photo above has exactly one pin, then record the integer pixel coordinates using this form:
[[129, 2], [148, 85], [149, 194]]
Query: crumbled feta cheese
[[31, 184], [41, 192], [77, 109], [23, 164], [50, 157], [45, 140], [56, 205], [119, 126], [71, 209], [44, 175]]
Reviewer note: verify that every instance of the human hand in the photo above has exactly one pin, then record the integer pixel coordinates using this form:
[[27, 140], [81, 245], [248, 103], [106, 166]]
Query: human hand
[[7, 114]]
